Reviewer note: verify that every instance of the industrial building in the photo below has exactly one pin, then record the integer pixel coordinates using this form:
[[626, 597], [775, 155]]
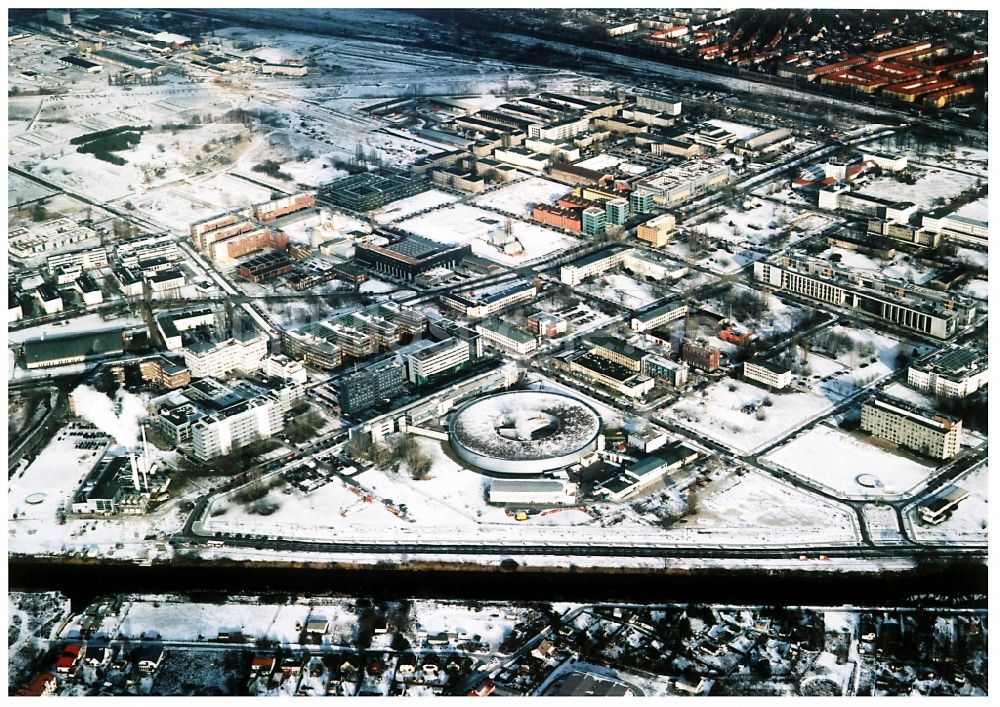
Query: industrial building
[[73, 348], [663, 369], [923, 431], [668, 460], [679, 184], [238, 425], [616, 350], [701, 356], [244, 351], [615, 376], [545, 324], [950, 373], [658, 316], [656, 231], [532, 491], [765, 143], [377, 383], [936, 314], [411, 256], [579, 270], [488, 301]]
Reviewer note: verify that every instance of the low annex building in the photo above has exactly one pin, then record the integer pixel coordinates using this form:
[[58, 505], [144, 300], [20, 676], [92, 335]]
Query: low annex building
[[770, 374]]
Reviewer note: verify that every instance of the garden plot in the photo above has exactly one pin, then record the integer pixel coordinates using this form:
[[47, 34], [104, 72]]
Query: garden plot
[[734, 413], [853, 465], [517, 197], [398, 210], [460, 224], [932, 184], [969, 523]]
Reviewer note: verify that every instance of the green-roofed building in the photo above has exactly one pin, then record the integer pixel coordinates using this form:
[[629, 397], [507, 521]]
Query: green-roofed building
[[50, 351]]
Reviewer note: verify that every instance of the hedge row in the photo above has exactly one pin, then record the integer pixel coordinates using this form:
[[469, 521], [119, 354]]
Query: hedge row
[[88, 137]]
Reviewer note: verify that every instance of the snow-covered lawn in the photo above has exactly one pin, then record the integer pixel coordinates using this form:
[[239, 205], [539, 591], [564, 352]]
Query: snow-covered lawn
[[882, 523], [930, 185], [854, 369], [403, 208], [755, 224], [729, 409], [621, 289], [969, 522], [460, 224], [516, 197], [855, 465]]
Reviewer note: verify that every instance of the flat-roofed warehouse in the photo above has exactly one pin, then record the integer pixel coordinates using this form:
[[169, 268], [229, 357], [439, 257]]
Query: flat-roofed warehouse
[[72, 348]]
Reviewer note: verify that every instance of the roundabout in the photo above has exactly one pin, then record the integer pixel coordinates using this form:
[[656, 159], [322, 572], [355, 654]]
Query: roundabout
[[524, 432]]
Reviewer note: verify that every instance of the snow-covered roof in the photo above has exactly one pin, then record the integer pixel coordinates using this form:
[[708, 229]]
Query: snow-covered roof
[[525, 425]]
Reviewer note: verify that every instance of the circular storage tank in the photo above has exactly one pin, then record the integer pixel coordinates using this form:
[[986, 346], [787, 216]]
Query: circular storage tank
[[524, 432]]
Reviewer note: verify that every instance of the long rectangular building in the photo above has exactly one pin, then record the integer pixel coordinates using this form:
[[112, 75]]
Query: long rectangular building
[[923, 431], [937, 314]]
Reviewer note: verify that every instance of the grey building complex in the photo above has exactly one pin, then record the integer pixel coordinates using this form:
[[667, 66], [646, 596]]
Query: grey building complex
[[360, 391], [937, 314]]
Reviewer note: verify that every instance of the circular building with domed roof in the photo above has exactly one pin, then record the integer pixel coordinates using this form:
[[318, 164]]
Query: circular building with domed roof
[[524, 432]]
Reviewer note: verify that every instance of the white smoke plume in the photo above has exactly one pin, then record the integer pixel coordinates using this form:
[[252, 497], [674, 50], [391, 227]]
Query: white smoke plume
[[98, 409]]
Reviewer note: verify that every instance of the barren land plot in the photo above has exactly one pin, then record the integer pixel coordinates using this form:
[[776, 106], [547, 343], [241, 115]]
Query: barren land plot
[[932, 184], [517, 197], [731, 416], [404, 208], [854, 465]]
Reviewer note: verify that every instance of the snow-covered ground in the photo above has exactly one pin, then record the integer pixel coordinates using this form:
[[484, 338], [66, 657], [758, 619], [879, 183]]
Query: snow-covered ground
[[854, 465], [933, 183], [460, 224], [398, 210], [621, 289], [728, 413], [516, 197]]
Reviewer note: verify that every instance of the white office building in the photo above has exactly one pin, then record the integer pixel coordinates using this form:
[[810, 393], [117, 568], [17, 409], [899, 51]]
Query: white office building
[[238, 425]]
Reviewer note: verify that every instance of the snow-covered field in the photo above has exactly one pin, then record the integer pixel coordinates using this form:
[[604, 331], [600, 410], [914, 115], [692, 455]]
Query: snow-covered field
[[398, 210], [460, 224], [729, 409], [621, 289], [838, 459], [933, 183], [762, 507], [515, 198]]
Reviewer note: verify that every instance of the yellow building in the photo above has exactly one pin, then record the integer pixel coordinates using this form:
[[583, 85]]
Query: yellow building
[[657, 230]]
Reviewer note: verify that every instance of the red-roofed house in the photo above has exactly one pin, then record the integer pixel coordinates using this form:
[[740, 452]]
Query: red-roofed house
[[42, 686]]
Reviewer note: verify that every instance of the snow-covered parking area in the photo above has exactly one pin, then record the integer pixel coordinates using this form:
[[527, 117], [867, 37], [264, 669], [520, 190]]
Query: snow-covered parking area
[[851, 464]]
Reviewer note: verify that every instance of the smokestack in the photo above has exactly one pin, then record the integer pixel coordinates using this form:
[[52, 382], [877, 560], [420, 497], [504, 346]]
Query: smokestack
[[135, 470], [145, 458]]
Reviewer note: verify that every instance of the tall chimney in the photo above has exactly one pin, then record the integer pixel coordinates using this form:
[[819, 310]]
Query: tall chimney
[[135, 470], [145, 458]]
